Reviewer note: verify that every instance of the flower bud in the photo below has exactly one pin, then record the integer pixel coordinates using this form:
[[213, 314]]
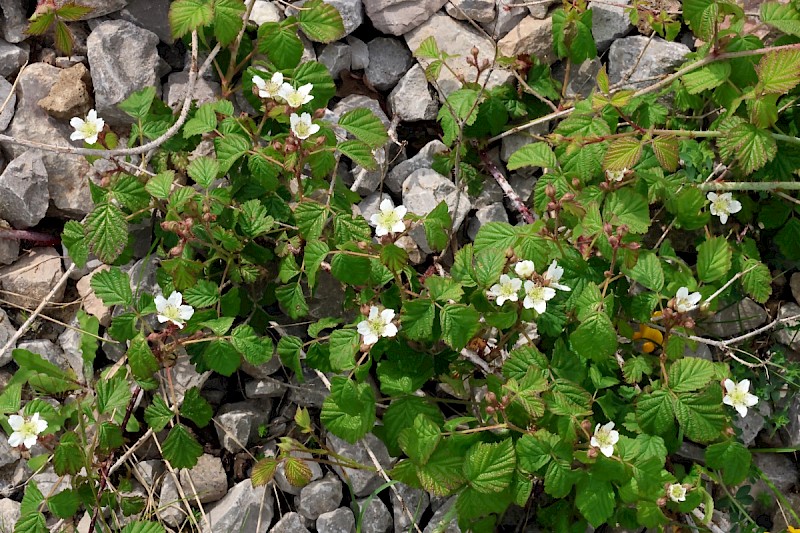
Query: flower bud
[[633, 246], [613, 241], [551, 206], [474, 51], [491, 397], [576, 182], [592, 453], [586, 425], [688, 323], [568, 197], [550, 190], [490, 410], [661, 502]]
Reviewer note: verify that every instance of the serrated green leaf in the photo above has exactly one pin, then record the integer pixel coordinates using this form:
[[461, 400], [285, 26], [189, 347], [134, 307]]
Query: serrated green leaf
[[707, 78], [572, 35], [74, 240], [349, 411], [160, 185], [648, 271], [417, 318], [68, 457], [627, 207], [137, 105], [757, 280], [779, 72], [533, 155], [203, 121], [143, 527], [227, 20], [785, 17], [222, 357], [623, 153], [106, 232], [701, 415], [180, 447], [655, 412], [690, 374], [292, 300], [365, 126], [113, 286], [229, 149], [351, 269], [264, 471], [489, 468], [203, 294], [437, 225], [666, 151], [558, 478], [750, 146], [732, 458], [459, 324], [344, 345], [320, 22], [196, 408], [420, 439], [595, 338], [188, 15], [203, 170], [63, 38], [64, 504], [318, 75], [310, 217], [141, 360], [463, 104], [359, 153], [113, 394], [281, 43], [595, 500], [701, 16], [713, 259], [158, 414]]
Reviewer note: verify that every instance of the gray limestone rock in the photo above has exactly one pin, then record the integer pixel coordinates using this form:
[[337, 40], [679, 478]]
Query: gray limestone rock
[[788, 333], [411, 99], [352, 12], [359, 52], [336, 57], [265, 388], [69, 191], [12, 57], [609, 22], [207, 480], [659, 57], [24, 195], [264, 12], [490, 213], [531, 36], [14, 22], [9, 514], [376, 517], [437, 523], [390, 59], [102, 7], [150, 14], [311, 393], [319, 497], [423, 190], [242, 509], [354, 101], [735, 319], [123, 59], [398, 17], [175, 90], [290, 523], [7, 330], [32, 277], [539, 8], [779, 469], [339, 521], [238, 423], [362, 482], [507, 18], [752, 424], [8, 455], [457, 38], [8, 111], [477, 10], [422, 159]]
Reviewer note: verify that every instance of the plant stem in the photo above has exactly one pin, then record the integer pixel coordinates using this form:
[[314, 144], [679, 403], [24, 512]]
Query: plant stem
[[516, 202]]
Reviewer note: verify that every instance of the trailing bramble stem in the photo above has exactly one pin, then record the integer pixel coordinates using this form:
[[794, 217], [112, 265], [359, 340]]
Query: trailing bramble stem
[[513, 197]]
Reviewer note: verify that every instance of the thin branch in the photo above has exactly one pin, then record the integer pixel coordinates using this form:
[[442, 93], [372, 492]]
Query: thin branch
[[516, 202], [724, 344], [750, 186]]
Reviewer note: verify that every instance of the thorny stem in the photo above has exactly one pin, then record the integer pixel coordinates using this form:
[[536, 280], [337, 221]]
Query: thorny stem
[[516, 202]]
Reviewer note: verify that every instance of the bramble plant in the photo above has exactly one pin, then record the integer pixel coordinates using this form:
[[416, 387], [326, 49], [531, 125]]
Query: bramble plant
[[567, 339]]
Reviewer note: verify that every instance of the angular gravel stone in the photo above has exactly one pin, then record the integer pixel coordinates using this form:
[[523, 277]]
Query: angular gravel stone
[[788, 333], [8, 455], [376, 517], [69, 96], [609, 22], [411, 99], [531, 36], [540, 8], [150, 14], [437, 523], [14, 21], [362, 482], [29, 280], [660, 57], [102, 7], [265, 388], [7, 330], [398, 17], [359, 52], [12, 57], [507, 18], [175, 90], [735, 319], [264, 12], [290, 523], [339, 521], [9, 514], [24, 196], [242, 509], [336, 57], [484, 215], [477, 10], [319, 497], [69, 191], [422, 159], [457, 38], [8, 112], [123, 59], [390, 59], [238, 423], [423, 190], [208, 478]]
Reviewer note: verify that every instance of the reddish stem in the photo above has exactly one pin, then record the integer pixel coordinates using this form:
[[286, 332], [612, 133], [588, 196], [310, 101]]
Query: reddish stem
[[512, 196], [32, 236]]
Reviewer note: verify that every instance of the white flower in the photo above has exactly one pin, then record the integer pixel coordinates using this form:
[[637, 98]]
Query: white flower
[[296, 97], [676, 492], [268, 89], [685, 302], [87, 129], [171, 310], [738, 397], [616, 175], [605, 438], [723, 205], [524, 269], [378, 324], [389, 219], [553, 275], [506, 290], [302, 127], [536, 296], [26, 431]]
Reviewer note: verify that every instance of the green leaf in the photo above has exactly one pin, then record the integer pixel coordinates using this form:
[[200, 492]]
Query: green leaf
[[595, 500], [106, 232], [732, 458], [160, 185], [74, 240], [310, 217], [444, 289], [489, 265], [320, 21], [359, 152], [459, 324], [464, 103], [196, 408], [204, 121], [417, 318], [437, 225], [143, 527], [713, 259], [690, 374], [113, 286], [40, 22], [595, 338], [158, 414], [568, 399], [228, 20], [365, 126], [344, 344], [64, 504], [403, 413], [63, 38], [489, 468], [32, 522], [757, 282], [256, 350], [203, 294], [264, 471], [68, 457], [394, 257], [254, 220], [180, 448], [419, 440], [203, 171], [701, 17], [11, 398], [707, 78], [648, 271], [572, 35], [315, 254], [666, 151], [141, 360], [558, 478], [627, 207], [750, 146], [785, 17], [281, 43], [138, 104], [655, 412], [779, 72], [113, 394], [351, 269], [349, 411], [229, 149], [623, 153], [222, 357], [533, 155], [787, 239], [318, 75], [701, 415], [188, 15], [292, 300]]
